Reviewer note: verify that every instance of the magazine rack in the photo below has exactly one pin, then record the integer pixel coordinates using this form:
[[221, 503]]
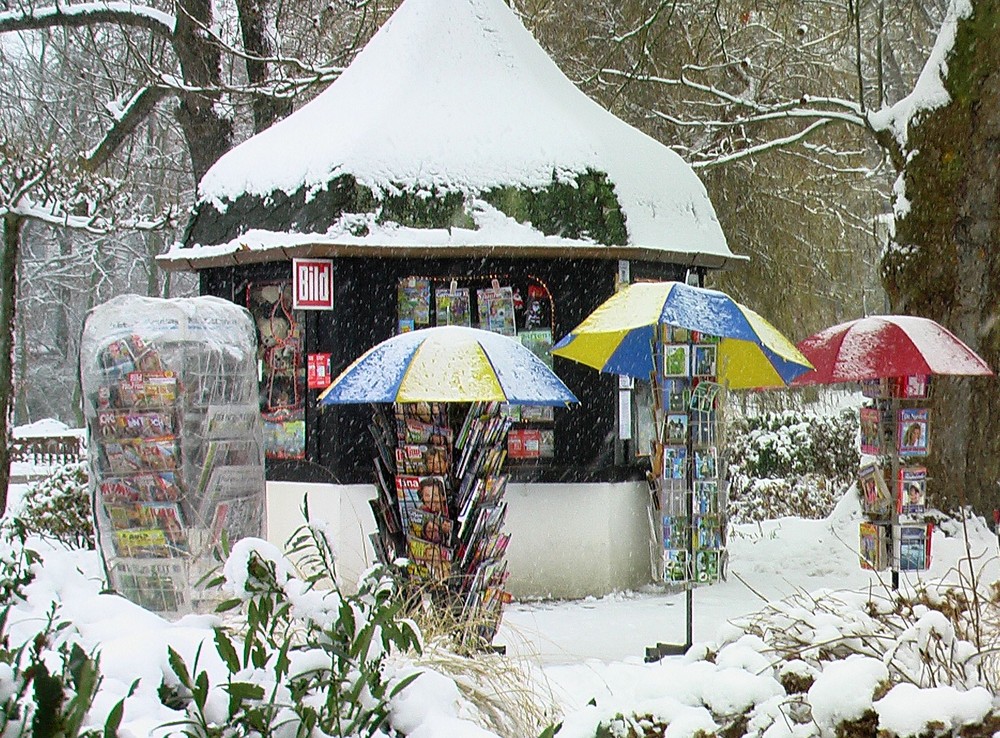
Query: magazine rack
[[688, 465], [440, 505], [176, 443], [895, 432]]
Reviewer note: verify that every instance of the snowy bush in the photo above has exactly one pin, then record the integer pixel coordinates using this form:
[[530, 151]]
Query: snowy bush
[[58, 507], [790, 463], [832, 664], [306, 657]]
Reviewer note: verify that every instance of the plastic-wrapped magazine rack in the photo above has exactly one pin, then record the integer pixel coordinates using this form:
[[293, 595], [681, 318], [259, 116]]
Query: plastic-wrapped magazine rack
[[176, 443]]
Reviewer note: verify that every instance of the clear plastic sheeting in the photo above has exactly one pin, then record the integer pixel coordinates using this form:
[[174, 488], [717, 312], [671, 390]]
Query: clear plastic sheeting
[[176, 443]]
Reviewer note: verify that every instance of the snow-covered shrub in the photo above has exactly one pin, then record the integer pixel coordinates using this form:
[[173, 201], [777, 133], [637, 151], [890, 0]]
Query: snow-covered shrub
[[305, 656], [790, 463], [58, 507], [48, 685]]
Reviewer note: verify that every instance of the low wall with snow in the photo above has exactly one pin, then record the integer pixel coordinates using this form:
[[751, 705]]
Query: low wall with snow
[[567, 540]]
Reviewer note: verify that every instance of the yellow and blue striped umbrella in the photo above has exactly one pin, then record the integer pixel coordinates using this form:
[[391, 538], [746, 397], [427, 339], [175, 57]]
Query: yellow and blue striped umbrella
[[618, 336], [448, 364]]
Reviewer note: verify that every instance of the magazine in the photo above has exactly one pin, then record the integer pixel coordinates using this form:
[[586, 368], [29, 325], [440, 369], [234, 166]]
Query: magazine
[[161, 586], [705, 463], [128, 456], [675, 565], [676, 531], [912, 432], [676, 428], [422, 459], [524, 443], [873, 546], [871, 431], [230, 421], [134, 424], [144, 487], [914, 547], [912, 387], [416, 495], [674, 462], [496, 309], [706, 498], [704, 361], [452, 306], [911, 490], [538, 342], [675, 360], [429, 560], [678, 394], [876, 500], [413, 298], [706, 563]]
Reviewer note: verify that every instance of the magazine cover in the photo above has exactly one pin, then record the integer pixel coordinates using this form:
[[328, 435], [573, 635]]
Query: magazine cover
[[538, 342], [871, 435], [423, 459], [431, 528], [452, 307], [134, 424], [914, 547], [678, 395], [708, 532], [875, 497], [704, 361], [675, 361], [675, 565], [872, 549], [413, 298], [913, 387], [415, 495], [524, 443], [912, 432], [676, 531], [706, 498], [496, 309], [911, 490], [707, 565], [704, 396], [150, 487], [676, 429], [674, 462], [429, 560], [705, 463]]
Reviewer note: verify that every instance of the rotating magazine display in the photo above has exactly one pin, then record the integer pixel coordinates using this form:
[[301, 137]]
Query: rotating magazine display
[[892, 480], [176, 443], [687, 459], [440, 504]]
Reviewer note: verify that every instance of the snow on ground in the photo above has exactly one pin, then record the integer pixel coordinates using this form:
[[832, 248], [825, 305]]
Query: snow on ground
[[580, 651]]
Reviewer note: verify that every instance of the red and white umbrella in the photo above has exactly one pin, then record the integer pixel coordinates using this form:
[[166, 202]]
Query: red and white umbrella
[[887, 346]]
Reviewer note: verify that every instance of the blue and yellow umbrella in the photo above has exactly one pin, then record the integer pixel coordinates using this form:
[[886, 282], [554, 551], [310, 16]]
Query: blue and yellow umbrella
[[618, 336], [448, 364]]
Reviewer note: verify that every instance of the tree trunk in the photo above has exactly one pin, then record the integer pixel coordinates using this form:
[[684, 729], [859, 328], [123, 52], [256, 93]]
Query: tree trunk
[[12, 225], [945, 263], [208, 130]]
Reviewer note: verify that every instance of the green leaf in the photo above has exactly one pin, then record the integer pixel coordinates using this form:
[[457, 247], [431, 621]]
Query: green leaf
[[403, 684], [179, 668], [245, 690], [227, 652]]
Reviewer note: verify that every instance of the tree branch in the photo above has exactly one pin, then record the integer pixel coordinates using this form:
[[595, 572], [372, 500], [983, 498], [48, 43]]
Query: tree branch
[[134, 112], [86, 14]]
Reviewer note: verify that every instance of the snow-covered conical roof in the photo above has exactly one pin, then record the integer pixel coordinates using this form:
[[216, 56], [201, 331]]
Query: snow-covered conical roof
[[448, 96]]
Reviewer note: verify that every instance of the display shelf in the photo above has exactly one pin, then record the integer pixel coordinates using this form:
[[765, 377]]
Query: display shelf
[[176, 441]]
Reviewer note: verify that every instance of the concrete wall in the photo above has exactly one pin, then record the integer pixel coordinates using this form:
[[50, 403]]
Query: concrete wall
[[567, 540]]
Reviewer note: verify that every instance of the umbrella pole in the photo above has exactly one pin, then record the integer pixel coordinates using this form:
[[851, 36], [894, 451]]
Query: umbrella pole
[[894, 482]]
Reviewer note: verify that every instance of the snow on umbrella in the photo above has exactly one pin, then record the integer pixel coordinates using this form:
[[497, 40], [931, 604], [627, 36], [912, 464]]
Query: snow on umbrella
[[887, 346], [448, 364], [617, 337]]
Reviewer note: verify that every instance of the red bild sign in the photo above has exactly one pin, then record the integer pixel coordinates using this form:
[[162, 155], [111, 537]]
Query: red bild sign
[[312, 284]]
